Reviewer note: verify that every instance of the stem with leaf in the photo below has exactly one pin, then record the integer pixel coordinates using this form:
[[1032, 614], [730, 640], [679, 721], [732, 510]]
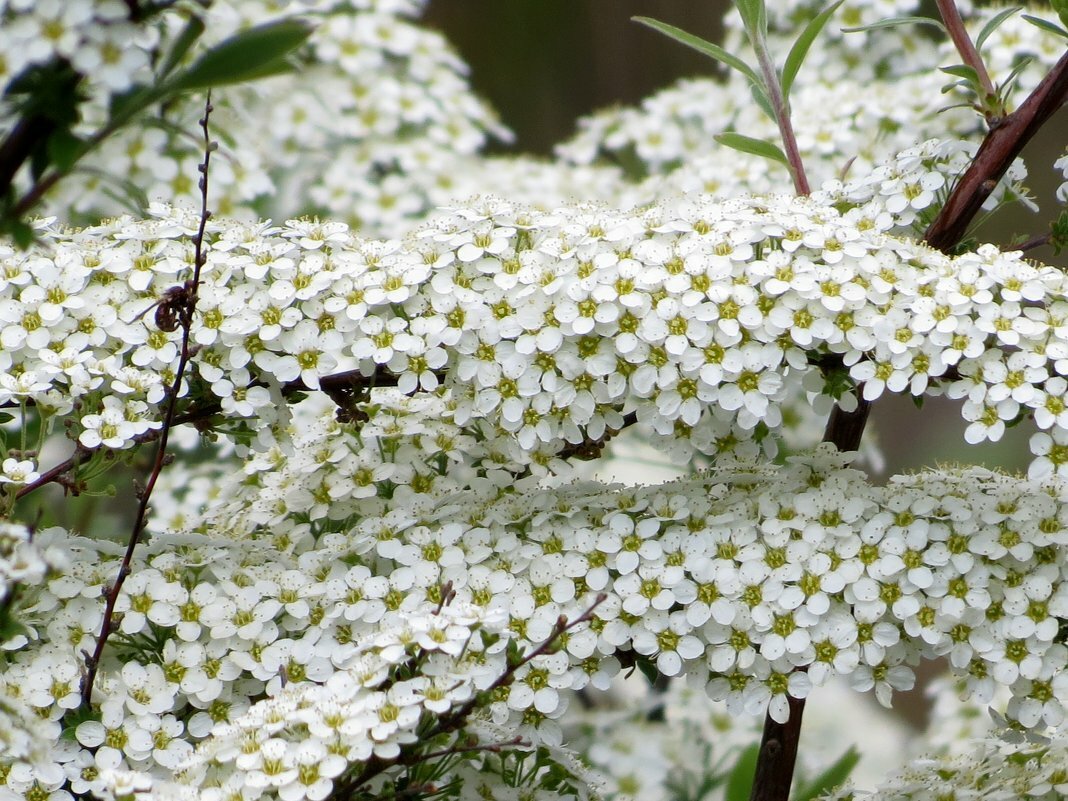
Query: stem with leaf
[[755, 18], [963, 42]]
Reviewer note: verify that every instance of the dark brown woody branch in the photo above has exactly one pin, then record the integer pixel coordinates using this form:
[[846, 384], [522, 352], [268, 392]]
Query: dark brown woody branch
[[1002, 145]]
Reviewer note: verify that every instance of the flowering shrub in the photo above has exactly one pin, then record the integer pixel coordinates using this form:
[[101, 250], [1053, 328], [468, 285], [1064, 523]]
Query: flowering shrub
[[380, 572]]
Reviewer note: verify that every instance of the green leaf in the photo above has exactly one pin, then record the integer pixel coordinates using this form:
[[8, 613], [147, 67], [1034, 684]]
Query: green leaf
[[962, 71], [1058, 233], [64, 148], [648, 669], [255, 53], [1047, 26], [993, 24], [894, 22], [1061, 7], [758, 147], [740, 781], [832, 777], [802, 45], [19, 230], [186, 39], [754, 16], [701, 46]]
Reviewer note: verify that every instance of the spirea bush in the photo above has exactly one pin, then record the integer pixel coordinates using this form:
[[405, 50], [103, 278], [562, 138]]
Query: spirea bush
[[354, 550]]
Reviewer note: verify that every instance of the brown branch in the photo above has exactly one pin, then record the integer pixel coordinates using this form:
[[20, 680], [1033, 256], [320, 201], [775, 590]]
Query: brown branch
[[1002, 145], [1032, 243], [184, 312]]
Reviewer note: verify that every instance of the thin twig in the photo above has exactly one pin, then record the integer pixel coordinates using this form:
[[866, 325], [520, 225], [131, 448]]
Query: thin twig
[[963, 42], [1032, 243], [452, 721], [185, 316]]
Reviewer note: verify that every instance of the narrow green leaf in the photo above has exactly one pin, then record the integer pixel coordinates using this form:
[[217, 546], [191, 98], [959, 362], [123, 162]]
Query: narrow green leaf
[[993, 24], [1047, 26], [19, 230], [758, 147], [1012, 76], [754, 15], [1061, 7], [832, 777], [740, 781], [130, 103], [894, 22], [186, 39], [962, 71], [701, 46], [648, 669], [801, 46], [251, 54]]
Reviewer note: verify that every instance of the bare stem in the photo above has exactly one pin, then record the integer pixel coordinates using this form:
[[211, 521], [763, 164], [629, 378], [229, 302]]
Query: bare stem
[[782, 113], [963, 42], [185, 316]]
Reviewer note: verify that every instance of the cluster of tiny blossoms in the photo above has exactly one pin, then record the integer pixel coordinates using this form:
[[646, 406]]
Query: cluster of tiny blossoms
[[398, 688], [694, 317], [853, 84], [96, 37], [735, 578], [377, 92], [21, 563], [991, 769]]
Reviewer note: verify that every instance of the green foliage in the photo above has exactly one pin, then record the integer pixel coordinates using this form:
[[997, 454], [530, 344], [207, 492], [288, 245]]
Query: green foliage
[[740, 780], [993, 24], [1047, 26], [1058, 233], [1061, 7], [754, 16], [757, 147], [830, 778], [801, 46], [48, 102], [259, 52], [702, 46], [895, 22]]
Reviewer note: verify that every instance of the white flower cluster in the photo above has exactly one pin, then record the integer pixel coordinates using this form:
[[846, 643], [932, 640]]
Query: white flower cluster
[[851, 85], [384, 96], [992, 769], [1062, 165], [95, 36], [735, 578], [696, 317], [405, 685], [21, 561]]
